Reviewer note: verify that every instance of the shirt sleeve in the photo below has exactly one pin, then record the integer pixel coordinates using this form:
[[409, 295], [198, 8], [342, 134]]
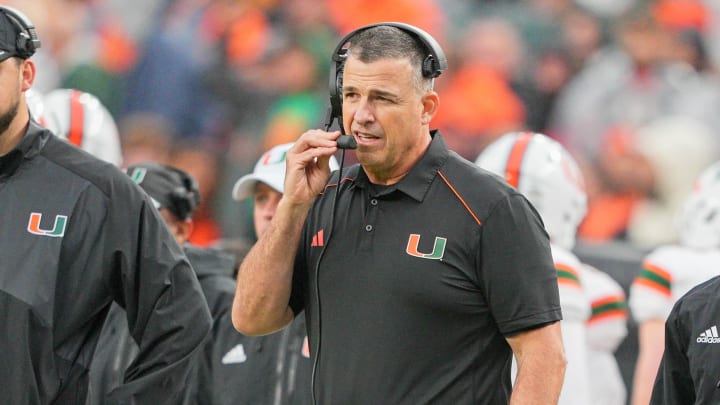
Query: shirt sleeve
[[517, 273], [166, 310], [651, 293]]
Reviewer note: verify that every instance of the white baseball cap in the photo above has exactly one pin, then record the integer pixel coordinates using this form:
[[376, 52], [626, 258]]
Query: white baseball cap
[[269, 169]]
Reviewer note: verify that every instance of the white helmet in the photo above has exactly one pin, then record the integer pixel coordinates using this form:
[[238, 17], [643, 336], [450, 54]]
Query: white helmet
[[545, 173], [698, 220], [82, 120]]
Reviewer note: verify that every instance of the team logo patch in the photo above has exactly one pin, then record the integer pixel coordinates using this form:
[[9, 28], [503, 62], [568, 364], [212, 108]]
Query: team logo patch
[[438, 247], [306, 348], [57, 231], [318, 239], [138, 175], [709, 336], [235, 355], [274, 157]]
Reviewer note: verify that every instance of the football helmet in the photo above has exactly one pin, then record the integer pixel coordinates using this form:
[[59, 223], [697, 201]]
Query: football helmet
[[546, 174], [698, 221], [82, 120]]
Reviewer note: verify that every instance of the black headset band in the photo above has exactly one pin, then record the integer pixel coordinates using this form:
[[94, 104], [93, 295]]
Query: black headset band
[[185, 198], [429, 43], [27, 41]]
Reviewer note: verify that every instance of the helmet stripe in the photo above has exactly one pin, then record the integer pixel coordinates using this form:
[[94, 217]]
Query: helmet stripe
[[75, 134], [512, 169]]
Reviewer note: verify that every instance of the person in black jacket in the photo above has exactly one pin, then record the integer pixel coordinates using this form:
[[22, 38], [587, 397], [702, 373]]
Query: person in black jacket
[[176, 195], [233, 368], [688, 373], [77, 234], [275, 368]]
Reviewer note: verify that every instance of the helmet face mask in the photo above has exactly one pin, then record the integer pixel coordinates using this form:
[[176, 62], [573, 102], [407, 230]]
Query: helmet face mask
[[547, 175], [698, 220]]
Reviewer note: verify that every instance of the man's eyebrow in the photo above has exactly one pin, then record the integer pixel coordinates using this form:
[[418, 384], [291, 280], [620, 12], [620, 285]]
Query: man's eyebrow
[[374, 92]]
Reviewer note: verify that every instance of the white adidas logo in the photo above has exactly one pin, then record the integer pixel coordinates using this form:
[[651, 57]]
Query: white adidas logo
[[235, 355], [709, 336]]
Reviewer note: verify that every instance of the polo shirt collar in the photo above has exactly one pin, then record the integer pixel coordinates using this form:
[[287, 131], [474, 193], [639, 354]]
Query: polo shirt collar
[[417, 182]]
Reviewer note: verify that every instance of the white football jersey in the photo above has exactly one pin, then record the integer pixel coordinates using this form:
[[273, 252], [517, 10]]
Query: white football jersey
[[667, 274], [575, 306], [606, 329]]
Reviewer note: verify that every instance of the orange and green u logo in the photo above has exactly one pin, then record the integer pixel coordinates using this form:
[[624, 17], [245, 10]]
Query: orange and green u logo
[[437, 252], [57, 231]]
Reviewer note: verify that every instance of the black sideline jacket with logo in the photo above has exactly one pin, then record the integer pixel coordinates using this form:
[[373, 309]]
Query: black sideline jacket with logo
[[75, 234], [689, 372]]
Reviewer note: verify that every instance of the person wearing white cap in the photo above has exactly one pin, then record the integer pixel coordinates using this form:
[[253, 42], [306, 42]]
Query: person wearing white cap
[[265, 185], [280, 373]]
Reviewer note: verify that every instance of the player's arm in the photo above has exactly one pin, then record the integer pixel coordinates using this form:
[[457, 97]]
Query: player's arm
[[541, 365], [264, 282], [651, 339], [166, 311]]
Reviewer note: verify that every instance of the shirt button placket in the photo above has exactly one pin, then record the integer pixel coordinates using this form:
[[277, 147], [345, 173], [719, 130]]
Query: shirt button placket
[[372, 216]]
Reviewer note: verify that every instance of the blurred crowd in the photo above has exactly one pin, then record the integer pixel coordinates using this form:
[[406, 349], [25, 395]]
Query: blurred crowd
[[630, 87]]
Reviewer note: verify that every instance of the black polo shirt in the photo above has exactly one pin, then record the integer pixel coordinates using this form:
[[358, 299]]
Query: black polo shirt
[[418, 284]]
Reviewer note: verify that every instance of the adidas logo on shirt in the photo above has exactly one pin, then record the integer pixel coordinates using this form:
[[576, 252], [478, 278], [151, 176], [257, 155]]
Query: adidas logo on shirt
[[709, 336], [235, 355]]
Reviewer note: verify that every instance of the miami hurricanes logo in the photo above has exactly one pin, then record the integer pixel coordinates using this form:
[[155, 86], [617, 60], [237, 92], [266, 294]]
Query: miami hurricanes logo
[[138, 175], [57, 231], [437, 252]]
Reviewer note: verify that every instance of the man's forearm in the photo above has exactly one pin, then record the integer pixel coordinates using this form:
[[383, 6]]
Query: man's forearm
[[264, 280], [541, 366]]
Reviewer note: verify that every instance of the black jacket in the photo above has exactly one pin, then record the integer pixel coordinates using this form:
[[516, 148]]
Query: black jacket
[[690, 372], [237, 369], [117, 349], [233, 369], [75, 235]]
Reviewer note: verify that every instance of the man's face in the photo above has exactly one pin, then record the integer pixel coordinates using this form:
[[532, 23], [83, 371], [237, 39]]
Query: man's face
[[10, 90], [385, 112], [265, 202]]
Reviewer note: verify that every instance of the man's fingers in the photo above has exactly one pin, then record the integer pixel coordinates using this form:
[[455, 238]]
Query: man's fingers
[[316, 139]]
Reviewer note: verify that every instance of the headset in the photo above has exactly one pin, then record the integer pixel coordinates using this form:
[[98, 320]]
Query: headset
[[186, 198], [27, 40], [432, 66]]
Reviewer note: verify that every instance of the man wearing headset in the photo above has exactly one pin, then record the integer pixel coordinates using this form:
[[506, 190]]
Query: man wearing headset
[[427, 274], [77, 234]]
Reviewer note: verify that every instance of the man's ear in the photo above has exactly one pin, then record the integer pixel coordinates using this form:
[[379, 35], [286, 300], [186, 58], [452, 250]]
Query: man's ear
[[430, 102], [185, 229], [27, 68]]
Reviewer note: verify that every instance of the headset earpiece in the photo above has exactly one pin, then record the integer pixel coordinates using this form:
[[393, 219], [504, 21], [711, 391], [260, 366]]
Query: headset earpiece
[[27, 40], [432, 66], [335, 87], [185, 198]]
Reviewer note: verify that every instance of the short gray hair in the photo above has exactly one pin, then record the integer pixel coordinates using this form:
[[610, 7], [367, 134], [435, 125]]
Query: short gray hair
[[384, 41]]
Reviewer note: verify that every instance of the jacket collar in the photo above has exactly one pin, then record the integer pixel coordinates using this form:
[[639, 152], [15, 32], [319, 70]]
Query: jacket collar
[[32, 143]]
